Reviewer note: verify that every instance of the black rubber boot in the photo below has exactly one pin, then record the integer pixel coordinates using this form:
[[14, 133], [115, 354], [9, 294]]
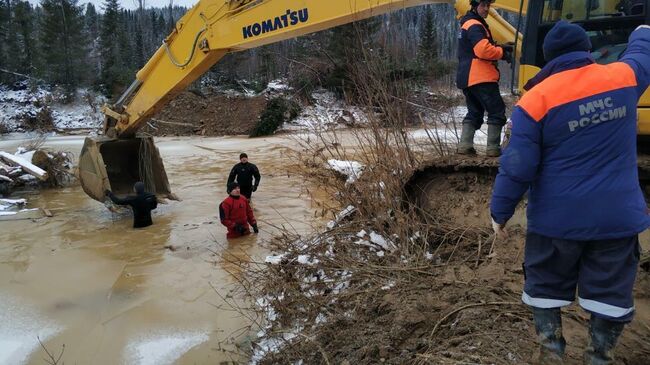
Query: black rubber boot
[[548, 326], [603, 337], [466, 144], [493, 141]]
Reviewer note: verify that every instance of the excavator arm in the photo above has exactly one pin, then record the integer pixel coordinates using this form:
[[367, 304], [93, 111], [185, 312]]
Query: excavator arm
[[205, 34], [213, 28]]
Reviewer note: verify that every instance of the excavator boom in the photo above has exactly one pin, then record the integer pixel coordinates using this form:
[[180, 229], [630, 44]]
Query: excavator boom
[[205, 34]]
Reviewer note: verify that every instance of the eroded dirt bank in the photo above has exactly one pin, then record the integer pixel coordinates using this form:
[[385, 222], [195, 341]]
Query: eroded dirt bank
[[208, 115], [111, 294], [435, 287]]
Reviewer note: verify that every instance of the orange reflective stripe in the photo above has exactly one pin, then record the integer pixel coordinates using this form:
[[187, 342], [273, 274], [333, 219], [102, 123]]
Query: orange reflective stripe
[[485, 50], [567, 86], [471, 22], [482, 71]]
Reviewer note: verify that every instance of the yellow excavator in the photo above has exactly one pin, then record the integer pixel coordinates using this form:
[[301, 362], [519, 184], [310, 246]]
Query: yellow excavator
[[214, 28]]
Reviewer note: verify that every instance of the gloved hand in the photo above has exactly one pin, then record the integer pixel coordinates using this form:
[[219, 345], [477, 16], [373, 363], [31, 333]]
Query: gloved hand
[[507, 52], [255, 229], [240, 228], [499, 229], [254, 188]]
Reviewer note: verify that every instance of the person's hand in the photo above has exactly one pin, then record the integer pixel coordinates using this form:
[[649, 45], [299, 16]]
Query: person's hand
[[254, 188], [499, 229], [255, 229], [240, 228], [507, 52]]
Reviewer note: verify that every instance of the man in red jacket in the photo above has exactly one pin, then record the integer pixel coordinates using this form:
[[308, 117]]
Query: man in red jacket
[[236, 214]]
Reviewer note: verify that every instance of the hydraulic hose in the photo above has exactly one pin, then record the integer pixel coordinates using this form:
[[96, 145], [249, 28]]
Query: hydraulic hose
[[514, 51], [174, 61]]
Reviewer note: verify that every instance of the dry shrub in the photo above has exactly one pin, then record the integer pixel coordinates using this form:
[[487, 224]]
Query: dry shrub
[[40, 120], [57, 164], [383, 284], [35, 142]]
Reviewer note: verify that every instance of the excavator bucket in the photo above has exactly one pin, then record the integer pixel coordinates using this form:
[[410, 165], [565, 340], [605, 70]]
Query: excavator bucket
[[117, 164]]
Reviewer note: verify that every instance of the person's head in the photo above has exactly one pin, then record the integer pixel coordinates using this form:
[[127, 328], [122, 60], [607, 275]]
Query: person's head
[[138, 187], [233, 188], [243, 158], [563, 38], [481, 7]]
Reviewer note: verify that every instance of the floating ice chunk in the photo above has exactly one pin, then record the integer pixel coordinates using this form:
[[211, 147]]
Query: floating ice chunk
[[162, 349]]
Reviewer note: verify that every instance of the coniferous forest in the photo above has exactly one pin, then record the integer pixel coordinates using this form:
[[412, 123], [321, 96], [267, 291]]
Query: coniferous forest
[[73, 45]]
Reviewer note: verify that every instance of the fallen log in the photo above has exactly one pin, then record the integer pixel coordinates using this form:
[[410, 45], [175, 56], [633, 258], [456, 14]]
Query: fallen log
[[25, 165]]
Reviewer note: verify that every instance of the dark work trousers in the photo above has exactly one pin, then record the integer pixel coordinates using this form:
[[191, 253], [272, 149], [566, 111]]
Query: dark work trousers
[[603, 271], [481, 98], [246, 191]]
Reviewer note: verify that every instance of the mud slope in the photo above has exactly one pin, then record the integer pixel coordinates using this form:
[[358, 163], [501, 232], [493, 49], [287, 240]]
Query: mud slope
[[460, 304], [459, 190], [212, 115]]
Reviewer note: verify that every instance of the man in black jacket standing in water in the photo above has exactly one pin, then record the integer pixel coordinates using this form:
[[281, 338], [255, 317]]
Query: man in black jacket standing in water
[[243, 173], [142, 204]]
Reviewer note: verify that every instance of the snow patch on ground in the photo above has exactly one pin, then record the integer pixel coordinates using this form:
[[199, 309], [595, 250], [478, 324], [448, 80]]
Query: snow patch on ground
[[327, 112], [351, 169], [162, 348], [341, 215], [80, 114], [20, 328]]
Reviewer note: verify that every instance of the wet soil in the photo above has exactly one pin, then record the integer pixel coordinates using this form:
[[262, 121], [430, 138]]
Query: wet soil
[[461, 306], [459, 190], [208, 115], [112, 294]]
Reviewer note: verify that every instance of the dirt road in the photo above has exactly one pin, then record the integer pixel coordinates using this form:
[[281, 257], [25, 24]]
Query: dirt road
[[111, 294]]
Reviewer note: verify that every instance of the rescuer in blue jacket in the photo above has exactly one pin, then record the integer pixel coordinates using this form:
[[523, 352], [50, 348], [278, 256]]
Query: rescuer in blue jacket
[[573, 149], [478, 76]]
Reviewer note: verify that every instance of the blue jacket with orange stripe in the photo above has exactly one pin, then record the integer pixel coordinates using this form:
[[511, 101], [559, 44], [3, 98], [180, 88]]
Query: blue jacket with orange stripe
[[573, 148], [477, 52]]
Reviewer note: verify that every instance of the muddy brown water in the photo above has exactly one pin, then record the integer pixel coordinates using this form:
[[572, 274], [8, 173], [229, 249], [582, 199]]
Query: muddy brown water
[[115, 295]]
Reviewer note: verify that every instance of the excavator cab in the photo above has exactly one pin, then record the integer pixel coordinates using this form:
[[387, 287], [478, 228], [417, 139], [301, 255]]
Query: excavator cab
[[117, 164]]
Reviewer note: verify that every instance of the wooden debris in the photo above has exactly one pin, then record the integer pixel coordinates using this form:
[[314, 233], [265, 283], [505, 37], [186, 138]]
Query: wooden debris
[[25, 165]]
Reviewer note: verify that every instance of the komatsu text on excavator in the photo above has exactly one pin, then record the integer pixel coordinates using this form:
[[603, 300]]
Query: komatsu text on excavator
[[213, 28]]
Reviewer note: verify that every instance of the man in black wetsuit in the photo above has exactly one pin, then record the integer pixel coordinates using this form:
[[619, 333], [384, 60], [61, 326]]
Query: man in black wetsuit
[[142, 204], [243, 173]]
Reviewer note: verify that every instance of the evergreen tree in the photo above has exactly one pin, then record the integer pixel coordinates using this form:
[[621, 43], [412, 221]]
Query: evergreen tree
[[4, 20], [113, 74], [346, 47], [26, 43], [428, 49], [92, 34], [12, 62], [63, 44], [139, 51], [92, 22]]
